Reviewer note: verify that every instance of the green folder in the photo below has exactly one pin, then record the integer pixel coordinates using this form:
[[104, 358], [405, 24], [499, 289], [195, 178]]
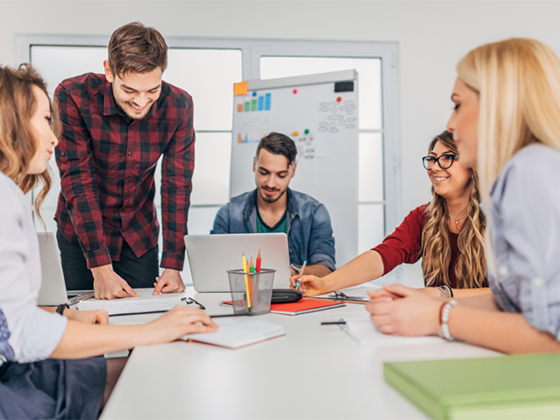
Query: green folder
[[506, 387]]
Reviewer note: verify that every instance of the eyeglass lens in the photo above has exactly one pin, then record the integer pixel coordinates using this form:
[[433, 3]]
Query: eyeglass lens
[[444, 161]]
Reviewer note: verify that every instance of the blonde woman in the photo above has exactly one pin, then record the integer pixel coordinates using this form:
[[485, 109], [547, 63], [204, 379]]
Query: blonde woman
[[506, 123], [71, 383], [446, 233]]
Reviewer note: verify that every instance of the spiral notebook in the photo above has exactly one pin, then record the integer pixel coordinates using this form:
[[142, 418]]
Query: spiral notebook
[[302, 306]]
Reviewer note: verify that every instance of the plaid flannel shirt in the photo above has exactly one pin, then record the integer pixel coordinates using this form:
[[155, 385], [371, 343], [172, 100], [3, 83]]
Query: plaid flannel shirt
[[107, 163]]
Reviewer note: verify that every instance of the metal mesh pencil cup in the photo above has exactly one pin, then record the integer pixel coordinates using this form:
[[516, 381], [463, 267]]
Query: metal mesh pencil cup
[[259, 286]]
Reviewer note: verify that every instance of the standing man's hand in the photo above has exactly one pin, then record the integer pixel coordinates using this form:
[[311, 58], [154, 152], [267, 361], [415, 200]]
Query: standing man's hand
[[170, 281], [109, 285]]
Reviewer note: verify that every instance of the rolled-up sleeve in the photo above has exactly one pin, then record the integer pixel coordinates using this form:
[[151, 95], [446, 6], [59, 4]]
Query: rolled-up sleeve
[[29, 332], [526, 238]]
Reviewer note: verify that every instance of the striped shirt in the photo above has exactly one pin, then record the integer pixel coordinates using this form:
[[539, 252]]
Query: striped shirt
[[525, 230]]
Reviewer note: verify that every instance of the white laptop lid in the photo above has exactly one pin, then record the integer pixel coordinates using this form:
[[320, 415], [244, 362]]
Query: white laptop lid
[[53, 288], [210, 256]]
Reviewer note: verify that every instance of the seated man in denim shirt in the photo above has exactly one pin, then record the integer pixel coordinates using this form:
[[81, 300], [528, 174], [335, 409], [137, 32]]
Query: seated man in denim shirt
[[273, 207]]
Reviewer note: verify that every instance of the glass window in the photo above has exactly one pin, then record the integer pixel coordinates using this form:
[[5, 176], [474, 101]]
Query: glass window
[[372, 229], [370, 177], [208, 76], [211, 170], [369, 79], [58, 63]]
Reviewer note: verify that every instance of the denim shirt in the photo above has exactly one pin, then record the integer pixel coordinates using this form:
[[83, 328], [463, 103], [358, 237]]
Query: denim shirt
[[525, 232], [310, 234]]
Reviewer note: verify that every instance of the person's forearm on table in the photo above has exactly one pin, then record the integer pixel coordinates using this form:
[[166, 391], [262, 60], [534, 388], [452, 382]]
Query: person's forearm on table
[[501, 331], [365, 267]]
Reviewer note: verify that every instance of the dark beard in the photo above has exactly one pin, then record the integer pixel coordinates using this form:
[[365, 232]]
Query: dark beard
[[268, 200]]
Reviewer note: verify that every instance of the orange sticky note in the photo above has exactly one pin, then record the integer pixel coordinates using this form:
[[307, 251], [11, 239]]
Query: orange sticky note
[[240, 88], [240, 108]]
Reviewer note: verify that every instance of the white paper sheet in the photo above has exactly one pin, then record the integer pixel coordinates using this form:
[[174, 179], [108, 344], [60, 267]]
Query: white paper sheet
[[354, 292], [365, 332], [132, 305]]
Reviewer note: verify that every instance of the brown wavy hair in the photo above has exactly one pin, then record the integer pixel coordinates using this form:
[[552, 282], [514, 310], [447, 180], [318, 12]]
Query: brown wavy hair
[[470, 269], [18, 138]]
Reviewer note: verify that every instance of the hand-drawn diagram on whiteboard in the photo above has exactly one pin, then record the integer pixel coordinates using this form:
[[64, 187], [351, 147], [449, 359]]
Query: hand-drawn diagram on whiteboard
[[339, 115], [253, 117], [306, 145]]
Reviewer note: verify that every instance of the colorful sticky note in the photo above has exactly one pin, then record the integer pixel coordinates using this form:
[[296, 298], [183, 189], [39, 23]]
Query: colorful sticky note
[[240, 88], [239, 107]]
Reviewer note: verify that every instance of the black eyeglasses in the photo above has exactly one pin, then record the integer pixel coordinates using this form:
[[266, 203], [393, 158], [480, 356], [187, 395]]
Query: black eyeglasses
[[189, 301], [444, 161]]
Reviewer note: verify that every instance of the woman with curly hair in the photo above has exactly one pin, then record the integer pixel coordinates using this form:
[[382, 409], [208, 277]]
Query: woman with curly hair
[[447, 233]]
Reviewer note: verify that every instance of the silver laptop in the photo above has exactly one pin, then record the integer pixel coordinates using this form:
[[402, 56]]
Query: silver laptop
[[210, 256], [53, 288]]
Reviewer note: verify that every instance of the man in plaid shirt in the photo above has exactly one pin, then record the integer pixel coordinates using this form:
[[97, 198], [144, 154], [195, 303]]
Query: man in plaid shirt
[[115, 128]]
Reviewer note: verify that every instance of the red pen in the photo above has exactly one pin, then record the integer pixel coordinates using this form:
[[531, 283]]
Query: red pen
[[258, 268]]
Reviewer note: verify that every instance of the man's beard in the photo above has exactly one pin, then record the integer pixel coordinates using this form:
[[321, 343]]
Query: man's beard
[[270, 200]]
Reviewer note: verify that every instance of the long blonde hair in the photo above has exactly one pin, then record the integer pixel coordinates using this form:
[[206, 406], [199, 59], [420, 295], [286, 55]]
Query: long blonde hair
[[18, 138], [518, 82], [470, 268]]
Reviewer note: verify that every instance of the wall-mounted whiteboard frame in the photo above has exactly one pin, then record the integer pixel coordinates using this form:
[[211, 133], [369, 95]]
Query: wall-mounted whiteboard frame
[[326, 123]]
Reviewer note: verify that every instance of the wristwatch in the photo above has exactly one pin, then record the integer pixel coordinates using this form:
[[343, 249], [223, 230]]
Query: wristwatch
[[444, 311], [60, 308]]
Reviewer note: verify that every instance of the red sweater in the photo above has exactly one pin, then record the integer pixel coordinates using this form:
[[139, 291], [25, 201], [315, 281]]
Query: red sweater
[[404, 245]]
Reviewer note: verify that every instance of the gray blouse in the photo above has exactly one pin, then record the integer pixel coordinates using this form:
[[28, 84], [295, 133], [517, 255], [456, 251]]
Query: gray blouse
[[525, 229], [27, 333]]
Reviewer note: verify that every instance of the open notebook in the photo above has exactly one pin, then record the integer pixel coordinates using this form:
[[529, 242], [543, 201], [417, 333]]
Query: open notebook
[[236, 334]]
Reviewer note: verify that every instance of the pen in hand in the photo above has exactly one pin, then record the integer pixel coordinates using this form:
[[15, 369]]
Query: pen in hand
[[298, 284]]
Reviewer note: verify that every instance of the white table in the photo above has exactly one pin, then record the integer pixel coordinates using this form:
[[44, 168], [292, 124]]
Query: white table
[[314, 372]]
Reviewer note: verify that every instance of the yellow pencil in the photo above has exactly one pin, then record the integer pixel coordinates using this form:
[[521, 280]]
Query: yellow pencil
[[246, 282]]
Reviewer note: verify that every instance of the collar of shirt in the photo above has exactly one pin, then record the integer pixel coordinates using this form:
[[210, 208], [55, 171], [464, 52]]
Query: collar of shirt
[[110, 106]]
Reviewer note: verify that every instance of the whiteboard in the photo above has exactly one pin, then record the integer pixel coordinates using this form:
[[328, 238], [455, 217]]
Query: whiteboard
[[324, 125]]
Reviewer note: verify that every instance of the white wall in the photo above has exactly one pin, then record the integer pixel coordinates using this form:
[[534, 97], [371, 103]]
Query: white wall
[[432, 37]]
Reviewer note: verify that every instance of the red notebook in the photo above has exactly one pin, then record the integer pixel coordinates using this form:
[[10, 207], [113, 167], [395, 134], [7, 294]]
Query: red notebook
[[303, 306]]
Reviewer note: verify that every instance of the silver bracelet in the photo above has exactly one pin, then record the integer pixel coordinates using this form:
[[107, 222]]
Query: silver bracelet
[[443, 291], [444, 312]]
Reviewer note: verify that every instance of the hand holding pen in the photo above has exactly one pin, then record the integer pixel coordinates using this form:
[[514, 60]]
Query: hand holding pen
[[301, 273]]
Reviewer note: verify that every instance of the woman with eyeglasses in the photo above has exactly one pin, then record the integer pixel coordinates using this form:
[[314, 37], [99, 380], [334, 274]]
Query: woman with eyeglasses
[[447, 233], [506, 122], [47, 368]]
